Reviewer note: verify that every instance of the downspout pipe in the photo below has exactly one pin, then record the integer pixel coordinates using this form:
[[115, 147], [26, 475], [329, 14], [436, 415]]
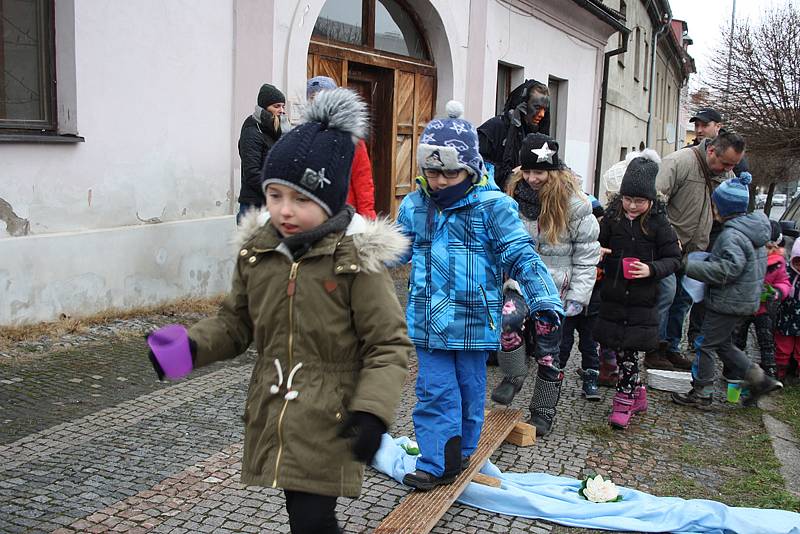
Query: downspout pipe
[[667, 18], [604, 104]]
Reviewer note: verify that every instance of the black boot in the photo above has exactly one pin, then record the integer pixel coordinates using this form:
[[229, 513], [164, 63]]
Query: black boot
[[543, 403], [514, 368], [589, 389], [424, 481]]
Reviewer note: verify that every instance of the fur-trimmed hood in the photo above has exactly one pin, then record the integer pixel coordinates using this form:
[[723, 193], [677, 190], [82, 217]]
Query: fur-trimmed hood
[[377, 242]]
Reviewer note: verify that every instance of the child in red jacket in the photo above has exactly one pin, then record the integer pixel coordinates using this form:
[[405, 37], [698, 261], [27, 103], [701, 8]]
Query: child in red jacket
[[776, 288], [362, 188]]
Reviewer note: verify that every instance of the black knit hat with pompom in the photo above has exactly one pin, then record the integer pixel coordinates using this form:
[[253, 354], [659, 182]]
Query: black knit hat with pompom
[[315, 157]]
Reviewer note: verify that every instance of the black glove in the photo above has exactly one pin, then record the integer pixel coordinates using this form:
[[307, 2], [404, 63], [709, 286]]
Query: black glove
[[366, 429], [157, 366]]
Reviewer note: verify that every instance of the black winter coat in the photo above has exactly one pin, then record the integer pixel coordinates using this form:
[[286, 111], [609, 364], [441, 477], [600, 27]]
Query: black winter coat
[[500, 138], [628, 314], [254, 142]]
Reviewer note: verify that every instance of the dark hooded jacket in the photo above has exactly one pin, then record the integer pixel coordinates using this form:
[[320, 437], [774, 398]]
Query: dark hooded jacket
[[257, 137], [500, 137], [628, 314]]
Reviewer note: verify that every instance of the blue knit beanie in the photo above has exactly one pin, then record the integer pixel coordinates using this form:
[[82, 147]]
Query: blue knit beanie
[[732, 196], [315, 157], [317, 84], [451, 143]]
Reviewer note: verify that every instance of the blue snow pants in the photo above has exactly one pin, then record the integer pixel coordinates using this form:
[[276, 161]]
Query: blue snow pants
[[451, 391]]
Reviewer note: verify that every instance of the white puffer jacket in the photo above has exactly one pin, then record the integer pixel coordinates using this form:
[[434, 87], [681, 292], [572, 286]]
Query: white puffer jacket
[[572, 261]]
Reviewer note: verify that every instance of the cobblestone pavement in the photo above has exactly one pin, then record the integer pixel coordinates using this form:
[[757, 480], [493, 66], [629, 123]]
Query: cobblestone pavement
[[91, 442]]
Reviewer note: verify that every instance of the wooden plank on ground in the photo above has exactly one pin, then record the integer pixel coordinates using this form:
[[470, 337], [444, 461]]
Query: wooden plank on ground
[[522, 435], [486, 480], [421, 510]]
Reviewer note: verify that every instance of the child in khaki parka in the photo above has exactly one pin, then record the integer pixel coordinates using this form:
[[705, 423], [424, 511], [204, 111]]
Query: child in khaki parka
[[311, 290]]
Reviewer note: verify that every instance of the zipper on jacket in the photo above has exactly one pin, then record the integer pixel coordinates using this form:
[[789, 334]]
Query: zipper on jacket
[[486, 305], [290, 289]]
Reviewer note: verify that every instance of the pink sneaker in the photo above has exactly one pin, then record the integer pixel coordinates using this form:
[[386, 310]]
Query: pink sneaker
[[639, 400], [621, 411]]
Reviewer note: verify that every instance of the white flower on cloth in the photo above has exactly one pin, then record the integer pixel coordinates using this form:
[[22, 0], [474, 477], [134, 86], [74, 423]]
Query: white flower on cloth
[[598, 490]]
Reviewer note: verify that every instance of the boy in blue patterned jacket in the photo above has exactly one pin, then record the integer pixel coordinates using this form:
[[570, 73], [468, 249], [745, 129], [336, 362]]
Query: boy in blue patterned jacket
[[465, 235]]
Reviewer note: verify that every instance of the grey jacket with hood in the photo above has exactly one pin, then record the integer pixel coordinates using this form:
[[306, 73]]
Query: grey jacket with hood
[[734, 272]]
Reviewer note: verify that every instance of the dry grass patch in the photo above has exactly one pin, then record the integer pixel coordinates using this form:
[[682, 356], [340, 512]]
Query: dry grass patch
[[12, 335]]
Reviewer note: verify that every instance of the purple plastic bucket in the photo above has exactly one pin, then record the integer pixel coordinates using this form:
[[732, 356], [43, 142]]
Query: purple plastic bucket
[[171, 348]]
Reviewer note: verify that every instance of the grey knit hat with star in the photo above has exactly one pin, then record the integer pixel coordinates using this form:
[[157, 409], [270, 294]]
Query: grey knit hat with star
[[640, 179]]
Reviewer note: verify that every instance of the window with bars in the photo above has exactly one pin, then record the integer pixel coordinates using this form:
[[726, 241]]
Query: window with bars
[[27, 73]]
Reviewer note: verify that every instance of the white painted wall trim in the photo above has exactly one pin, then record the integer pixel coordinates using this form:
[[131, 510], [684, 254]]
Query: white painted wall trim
[[66, 82]]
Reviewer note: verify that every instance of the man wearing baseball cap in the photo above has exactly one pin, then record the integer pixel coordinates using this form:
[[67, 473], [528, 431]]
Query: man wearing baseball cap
[[707, 123]]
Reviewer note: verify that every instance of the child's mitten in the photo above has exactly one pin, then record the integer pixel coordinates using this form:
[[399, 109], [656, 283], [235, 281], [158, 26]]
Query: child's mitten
[[572, 308], [172, 352], [547, 322], [768, 293], [367, 430]]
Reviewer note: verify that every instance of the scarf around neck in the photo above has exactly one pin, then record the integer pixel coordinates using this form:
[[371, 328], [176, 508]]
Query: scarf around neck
[[299, 244], [444, 198], [528, 200]]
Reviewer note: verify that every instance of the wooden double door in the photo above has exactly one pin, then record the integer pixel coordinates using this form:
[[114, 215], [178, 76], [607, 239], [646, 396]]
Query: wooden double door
[[400, 95]]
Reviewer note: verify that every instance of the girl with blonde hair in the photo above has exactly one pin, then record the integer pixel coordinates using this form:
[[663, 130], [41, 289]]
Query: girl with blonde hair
[[559, 218]]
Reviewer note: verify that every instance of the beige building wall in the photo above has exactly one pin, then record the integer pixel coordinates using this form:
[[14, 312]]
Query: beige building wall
[[630, 91]]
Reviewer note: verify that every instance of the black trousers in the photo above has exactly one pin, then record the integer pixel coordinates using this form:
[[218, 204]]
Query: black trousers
[[310, 513], [764, 336], [584, 324]]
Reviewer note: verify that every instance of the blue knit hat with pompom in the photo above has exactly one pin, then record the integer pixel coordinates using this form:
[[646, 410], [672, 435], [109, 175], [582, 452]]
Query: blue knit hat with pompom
[[451, 143], [733, 195]]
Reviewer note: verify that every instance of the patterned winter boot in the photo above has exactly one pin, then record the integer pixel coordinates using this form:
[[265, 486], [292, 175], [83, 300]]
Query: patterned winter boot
[[543, 402], [621, 410], [514, 371]]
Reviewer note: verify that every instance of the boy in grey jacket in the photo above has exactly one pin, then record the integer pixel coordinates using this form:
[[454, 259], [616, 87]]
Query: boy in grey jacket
[[734, 274]]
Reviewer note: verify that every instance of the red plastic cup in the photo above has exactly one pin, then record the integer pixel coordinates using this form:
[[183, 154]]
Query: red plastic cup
[[626, 266], [170, 346]]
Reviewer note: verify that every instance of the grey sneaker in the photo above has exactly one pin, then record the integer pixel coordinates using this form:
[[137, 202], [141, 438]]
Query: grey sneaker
[[693, 398]]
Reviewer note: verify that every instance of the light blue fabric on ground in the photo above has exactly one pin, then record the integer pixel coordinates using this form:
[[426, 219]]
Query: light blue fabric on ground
[[552, 498]]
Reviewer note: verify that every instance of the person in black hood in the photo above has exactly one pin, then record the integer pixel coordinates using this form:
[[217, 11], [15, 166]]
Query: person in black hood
[[259, 132], [527, 110]]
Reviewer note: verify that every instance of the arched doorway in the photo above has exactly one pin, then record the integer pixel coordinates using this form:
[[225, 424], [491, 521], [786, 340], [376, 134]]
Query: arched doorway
[[378, 48]]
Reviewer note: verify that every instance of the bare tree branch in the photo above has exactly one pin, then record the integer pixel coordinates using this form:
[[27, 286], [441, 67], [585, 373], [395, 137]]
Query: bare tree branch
[[757, 87]]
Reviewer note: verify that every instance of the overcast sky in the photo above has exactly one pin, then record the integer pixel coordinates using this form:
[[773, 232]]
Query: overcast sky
[[706, 17]]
